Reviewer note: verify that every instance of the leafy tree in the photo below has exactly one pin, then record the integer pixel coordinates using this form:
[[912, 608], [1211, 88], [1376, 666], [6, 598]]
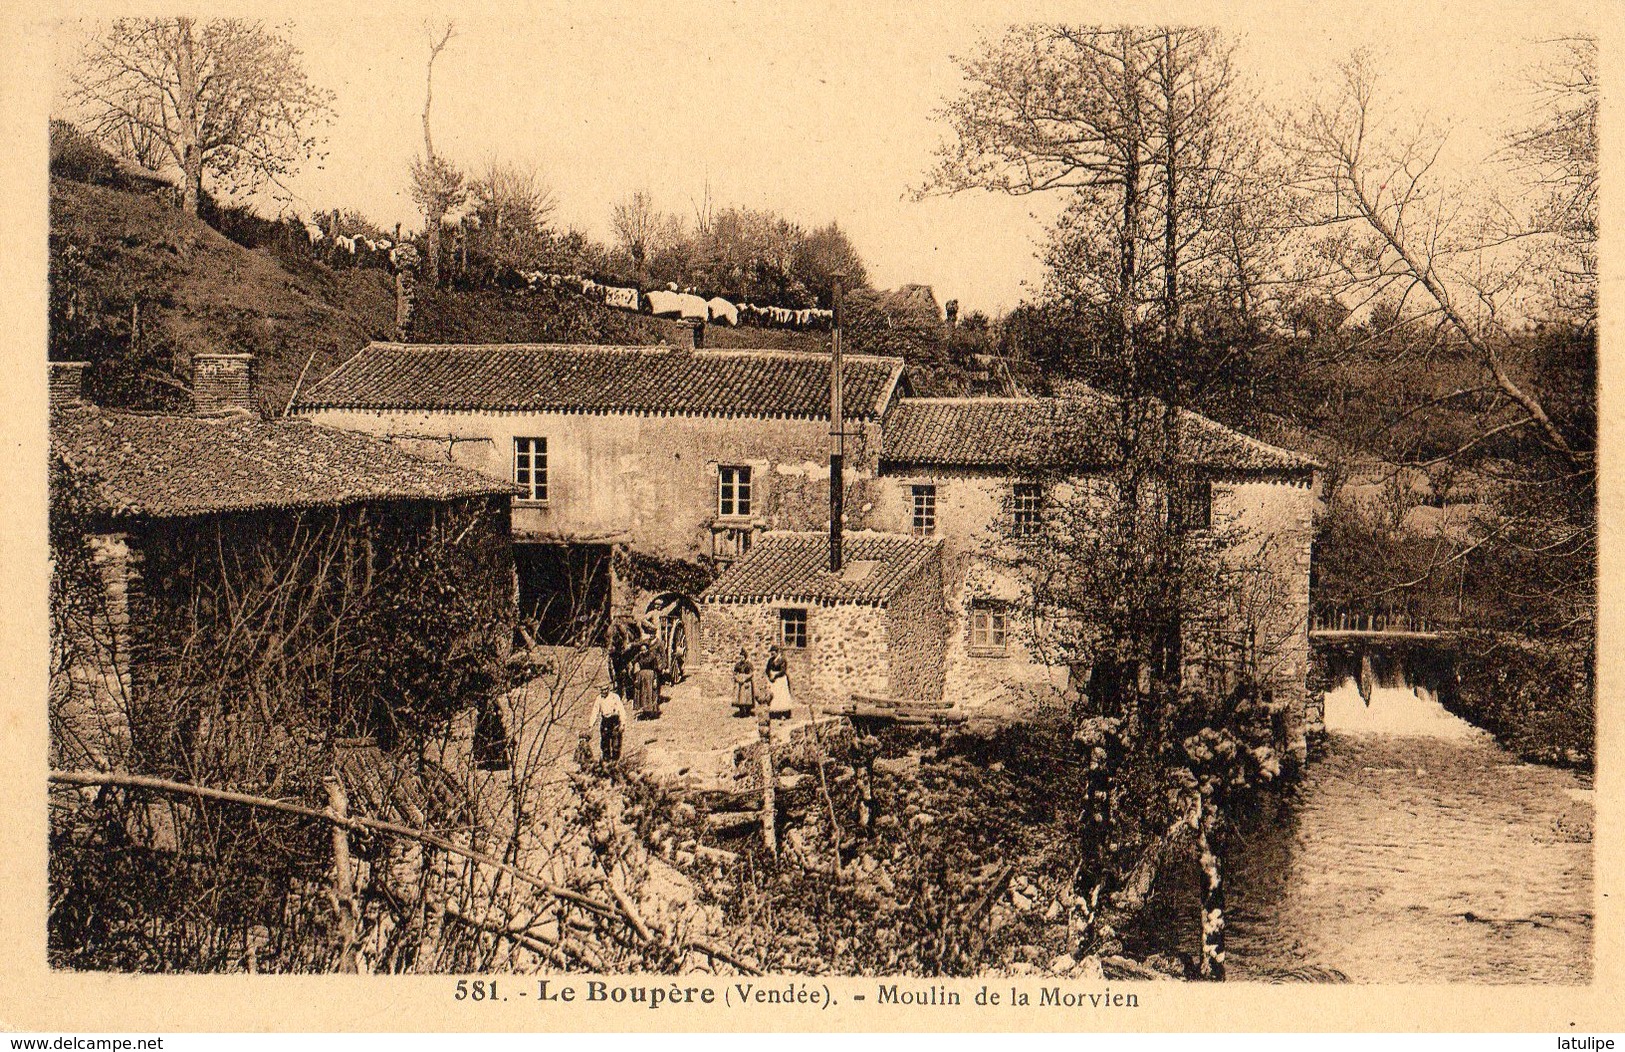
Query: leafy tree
[[823, 253], [227, 98], [510, 206]]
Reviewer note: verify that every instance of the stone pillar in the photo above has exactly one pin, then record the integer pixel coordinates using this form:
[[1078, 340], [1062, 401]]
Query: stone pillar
[[223, 383], [67, 381]]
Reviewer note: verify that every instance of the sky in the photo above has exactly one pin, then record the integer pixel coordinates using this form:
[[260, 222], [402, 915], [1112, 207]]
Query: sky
[[820, 112]]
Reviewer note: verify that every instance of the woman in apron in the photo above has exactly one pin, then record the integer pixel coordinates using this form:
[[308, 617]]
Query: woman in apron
[[744, 690], [646, 685], [779, 680]]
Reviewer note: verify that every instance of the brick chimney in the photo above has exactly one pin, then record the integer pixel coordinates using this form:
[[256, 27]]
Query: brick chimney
[[222, 383], [696, 335], [67, 382]]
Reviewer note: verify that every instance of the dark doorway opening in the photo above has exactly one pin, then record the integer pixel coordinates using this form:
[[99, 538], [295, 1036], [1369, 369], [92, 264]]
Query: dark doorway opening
[[564, 592]]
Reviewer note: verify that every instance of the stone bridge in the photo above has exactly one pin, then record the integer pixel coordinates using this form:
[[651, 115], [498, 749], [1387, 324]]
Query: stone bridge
[[1382, 650]]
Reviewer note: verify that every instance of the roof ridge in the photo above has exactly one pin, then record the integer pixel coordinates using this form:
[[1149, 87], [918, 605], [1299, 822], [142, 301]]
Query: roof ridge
[[861, 534], [979, 400], [620, 348]]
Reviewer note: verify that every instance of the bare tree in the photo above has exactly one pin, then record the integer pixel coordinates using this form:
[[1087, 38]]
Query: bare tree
[[636, 222], [1055, 107], [1391, 226], [1557, 153], [1160, 245], [437, 186], [228, 98]]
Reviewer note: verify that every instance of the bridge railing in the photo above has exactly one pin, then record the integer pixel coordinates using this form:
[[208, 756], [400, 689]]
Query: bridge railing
[[1369, 621]]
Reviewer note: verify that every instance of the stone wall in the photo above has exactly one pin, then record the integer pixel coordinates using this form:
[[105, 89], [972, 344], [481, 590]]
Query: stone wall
[[917, 627], [1265, 525], [846, 650], [222, 382], [971, 508], [92, 641], [1268, 526], [647, 481]]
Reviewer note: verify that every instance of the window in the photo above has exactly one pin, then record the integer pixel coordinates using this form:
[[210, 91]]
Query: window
[[530, 467], [1029, 508], [1194, 508], [733, 490], [924, 522], [793, 628], [989, 626]]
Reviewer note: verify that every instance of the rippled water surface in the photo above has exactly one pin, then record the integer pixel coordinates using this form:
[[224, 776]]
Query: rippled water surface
[[1418, 850]]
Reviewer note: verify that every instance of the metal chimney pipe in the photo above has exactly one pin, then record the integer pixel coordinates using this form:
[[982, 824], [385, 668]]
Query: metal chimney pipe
[[837, 434]]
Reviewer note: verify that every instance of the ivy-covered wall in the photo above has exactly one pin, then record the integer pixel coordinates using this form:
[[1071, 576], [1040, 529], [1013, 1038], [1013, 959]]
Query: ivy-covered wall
[[250, 641]]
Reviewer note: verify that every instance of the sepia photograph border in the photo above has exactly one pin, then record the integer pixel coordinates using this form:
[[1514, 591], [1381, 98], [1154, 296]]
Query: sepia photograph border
[[33, 997]]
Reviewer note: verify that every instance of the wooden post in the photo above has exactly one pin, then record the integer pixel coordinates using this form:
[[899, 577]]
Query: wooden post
[[769, 804], [866, 788], [343, 882], [837, 434]]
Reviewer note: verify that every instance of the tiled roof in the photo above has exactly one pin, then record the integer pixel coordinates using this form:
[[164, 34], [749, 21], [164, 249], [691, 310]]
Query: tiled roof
[[795, 567], [172, 466], [1051, 432], [594, 379]]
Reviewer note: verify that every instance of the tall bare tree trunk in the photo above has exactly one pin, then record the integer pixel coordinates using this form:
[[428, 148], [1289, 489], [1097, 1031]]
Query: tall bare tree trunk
[[769, 800], [191, 131], [348, 914], [1170, 216], [436, 212], [1128, 262]]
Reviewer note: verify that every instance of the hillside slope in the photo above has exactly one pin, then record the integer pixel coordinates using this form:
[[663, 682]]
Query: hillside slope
[[114, 252], [140, 286]]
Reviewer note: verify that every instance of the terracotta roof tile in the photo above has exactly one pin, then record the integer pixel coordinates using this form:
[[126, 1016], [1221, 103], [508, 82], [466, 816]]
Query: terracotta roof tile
[[1050, 432], [795, 567], [598, 379], [172, 466]]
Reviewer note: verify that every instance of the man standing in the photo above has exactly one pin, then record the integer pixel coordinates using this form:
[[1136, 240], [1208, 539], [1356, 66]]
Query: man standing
[[610, 712]]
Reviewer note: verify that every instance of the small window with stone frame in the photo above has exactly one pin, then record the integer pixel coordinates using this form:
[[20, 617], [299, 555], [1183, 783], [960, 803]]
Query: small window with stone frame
[[989, 627], [793, 628], [923, 519], [1027, 509], [1192, 508], [734, 491], [530, 468]]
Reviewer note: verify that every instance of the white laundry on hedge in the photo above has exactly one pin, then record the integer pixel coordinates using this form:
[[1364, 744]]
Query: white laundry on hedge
[[723, 311], [663, 302], [626, 299]]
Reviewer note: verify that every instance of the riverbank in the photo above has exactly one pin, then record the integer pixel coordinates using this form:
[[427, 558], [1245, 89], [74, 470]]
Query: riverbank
[[1534, 696]]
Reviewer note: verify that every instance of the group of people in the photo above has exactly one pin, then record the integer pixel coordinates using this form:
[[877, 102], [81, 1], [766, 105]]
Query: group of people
[[778, 685], [635, 672], [641, 656]]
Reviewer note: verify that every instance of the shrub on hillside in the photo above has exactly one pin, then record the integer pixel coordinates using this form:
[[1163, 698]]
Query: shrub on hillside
[[242, 224], [76, 156]]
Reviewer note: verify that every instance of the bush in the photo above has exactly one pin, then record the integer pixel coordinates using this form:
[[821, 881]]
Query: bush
[[1536, 696], [76, 156]]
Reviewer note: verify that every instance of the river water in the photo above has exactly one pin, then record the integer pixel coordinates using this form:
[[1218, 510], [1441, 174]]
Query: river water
[[1416, 850]]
